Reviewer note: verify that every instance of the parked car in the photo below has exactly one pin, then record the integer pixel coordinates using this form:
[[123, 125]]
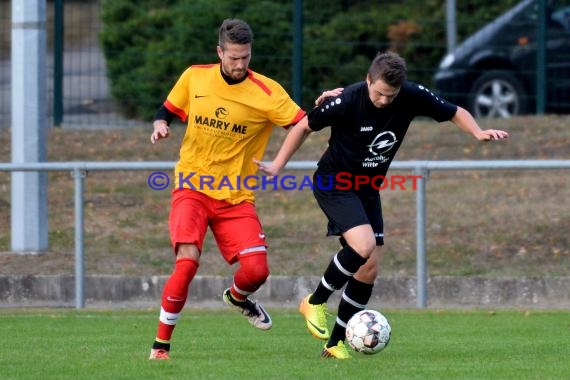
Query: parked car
[[493, 72]]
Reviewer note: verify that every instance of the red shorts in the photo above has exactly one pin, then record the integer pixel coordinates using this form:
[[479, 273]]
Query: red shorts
[[236, 228]]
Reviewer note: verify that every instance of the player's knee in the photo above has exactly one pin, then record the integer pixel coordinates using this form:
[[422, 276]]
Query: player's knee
[[368, 272], [258, 275], [255, 269], [187, 251], [361, 239], [254, 276], [364, 247]]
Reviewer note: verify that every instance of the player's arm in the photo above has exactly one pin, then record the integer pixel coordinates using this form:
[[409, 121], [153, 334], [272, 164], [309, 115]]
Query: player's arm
[[291, 144], [464, 120], [160, 125], [176, 103], [294, 138]]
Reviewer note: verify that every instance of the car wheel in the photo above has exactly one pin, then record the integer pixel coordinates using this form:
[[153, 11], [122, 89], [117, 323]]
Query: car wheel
[[497, 94]]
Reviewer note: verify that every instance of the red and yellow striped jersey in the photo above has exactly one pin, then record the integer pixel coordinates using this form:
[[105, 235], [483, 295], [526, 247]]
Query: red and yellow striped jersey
[[228, 126]]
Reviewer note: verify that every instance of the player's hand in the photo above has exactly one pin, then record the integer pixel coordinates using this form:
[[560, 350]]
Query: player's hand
[[161, 131], [268, 169], [491, 134], [328, 94]]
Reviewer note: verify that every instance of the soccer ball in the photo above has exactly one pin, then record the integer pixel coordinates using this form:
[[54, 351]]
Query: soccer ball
[[368, 332]]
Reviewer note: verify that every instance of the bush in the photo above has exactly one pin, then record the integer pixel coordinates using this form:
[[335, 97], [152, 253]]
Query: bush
[[148, 45]]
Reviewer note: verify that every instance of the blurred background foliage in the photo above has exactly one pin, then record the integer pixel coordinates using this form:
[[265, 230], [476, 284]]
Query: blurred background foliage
[[148, 43]]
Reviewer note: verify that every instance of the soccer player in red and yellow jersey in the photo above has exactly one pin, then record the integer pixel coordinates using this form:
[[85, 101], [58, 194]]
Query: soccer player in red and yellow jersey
[[230, 112]]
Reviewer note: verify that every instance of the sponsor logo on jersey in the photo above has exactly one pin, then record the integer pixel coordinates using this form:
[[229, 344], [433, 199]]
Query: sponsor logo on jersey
[[216, 123], [381, 144], [221, 113]]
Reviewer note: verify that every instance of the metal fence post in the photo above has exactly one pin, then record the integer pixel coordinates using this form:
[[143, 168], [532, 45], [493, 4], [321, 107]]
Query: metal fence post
[[421, 259], [298, 51], [541, 73], [79, 178], [58, 26]]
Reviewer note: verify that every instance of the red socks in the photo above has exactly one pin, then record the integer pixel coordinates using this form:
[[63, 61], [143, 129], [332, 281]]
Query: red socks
[[174, 297]]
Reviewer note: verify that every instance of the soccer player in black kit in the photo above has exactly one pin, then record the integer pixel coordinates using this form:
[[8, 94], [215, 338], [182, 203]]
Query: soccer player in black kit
[[368, 122]]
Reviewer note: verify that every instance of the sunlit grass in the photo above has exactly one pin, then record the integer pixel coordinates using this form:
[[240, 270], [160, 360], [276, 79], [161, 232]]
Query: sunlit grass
[[220, 344]]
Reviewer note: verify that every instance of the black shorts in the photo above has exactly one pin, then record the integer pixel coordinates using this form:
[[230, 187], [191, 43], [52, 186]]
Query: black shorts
[[346, 209]]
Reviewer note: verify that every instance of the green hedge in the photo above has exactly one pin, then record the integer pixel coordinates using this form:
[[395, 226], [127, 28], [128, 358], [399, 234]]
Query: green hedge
[[148, 44]]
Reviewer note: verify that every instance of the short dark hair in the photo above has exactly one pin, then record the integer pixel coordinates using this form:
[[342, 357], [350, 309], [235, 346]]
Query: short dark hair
[[234, 31], [389, 67]]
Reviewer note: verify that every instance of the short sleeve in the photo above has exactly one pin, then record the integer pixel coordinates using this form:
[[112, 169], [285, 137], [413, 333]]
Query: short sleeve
[[330, 110]]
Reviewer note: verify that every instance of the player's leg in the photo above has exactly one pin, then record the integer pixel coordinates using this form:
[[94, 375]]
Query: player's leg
[[358, 244], [250, 275], [340, 269], [359, 287], [347, 216], [188, 223], [241, 239], [354, 298]]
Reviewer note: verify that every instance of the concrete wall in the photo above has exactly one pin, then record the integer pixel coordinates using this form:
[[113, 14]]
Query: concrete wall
[[279, 291]]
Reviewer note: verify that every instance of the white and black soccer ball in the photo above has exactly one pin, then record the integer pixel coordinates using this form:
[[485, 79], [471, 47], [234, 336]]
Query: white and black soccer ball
[[368, 332]]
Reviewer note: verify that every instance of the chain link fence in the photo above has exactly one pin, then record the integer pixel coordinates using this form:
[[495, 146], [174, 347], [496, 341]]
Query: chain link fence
[[86, 101]]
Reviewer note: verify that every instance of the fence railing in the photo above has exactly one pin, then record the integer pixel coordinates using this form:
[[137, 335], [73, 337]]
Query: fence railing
[[420, 169]]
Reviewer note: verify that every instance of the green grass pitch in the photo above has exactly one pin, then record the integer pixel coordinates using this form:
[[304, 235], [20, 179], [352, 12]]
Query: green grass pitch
[[220, 344]]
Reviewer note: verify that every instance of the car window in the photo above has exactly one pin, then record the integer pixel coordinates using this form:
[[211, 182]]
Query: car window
[[558, 11], [528, 15], [561, 18]]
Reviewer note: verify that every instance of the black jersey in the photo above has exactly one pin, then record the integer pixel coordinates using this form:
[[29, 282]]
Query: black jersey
[[364, 139]]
